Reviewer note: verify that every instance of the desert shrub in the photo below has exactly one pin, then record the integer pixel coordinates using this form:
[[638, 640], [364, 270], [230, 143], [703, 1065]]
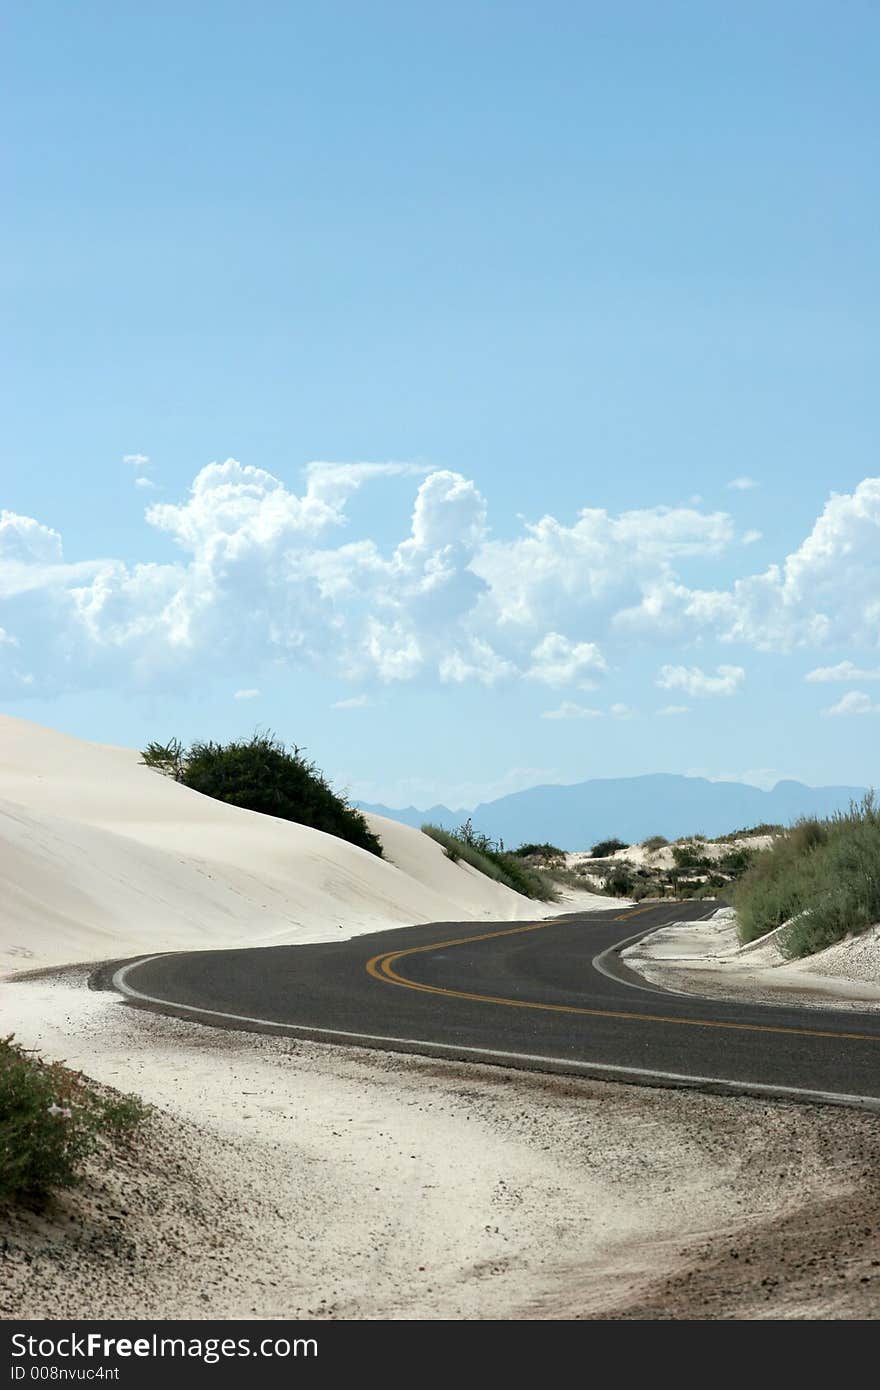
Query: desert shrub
[[605, 848], [655, 842], [481, 852], [642, 890], [687, 856], [51, 1119], [262, 774], [619, 882], [166, 758], [736, 861], [763, 829], [820, 877], [549, 853]]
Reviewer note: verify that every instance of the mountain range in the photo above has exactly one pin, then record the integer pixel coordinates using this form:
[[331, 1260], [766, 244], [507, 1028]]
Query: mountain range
[[575, 817]]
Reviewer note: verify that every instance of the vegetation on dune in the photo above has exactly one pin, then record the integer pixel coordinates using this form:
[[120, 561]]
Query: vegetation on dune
[[605, 848], [489, 857], [750, 830], [262, 774], [549, 854], [655, 842], [822, 877], [51, 1120]]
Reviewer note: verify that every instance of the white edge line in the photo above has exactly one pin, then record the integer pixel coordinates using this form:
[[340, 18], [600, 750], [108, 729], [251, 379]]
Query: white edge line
[[487, 1055]]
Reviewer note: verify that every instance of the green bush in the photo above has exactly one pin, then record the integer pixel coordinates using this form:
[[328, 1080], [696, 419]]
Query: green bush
[[655, 842], [687, 856], [821, 877], [736, 861], [605, 848], [51, 1119], [549, 853], [619, 882], [262, 774], [480, 852]]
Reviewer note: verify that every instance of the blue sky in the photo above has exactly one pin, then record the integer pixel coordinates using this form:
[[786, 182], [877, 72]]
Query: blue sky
[[567, 272]]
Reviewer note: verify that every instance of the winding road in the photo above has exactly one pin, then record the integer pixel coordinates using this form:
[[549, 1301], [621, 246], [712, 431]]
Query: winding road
[[551, 996]]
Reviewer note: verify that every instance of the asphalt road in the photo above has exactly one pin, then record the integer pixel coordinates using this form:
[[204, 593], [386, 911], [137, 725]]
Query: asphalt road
[[549, 996]]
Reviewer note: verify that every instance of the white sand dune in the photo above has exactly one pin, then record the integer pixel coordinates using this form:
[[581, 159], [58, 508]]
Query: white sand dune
[[706, 957], [101, 857]]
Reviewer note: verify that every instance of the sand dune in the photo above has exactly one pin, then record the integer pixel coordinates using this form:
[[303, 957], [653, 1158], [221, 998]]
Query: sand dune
[[101, 856]]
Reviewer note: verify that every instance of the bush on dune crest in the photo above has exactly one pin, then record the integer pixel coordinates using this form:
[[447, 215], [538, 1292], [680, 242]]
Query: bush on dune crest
[[262, 774], [491, 859], [822, 877]]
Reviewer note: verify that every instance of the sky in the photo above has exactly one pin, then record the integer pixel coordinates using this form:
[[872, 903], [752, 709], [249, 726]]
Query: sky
[[475, 395]]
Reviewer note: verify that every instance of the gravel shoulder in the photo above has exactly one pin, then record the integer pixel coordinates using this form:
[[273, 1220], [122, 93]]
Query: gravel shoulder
[[278, 1178]]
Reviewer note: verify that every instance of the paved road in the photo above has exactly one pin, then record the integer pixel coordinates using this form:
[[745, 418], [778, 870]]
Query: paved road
[[551, 996]]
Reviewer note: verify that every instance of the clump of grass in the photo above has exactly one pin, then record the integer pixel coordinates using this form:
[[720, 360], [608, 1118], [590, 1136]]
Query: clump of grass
[[491, 859], [822, 877], [763, 829], [605, 848], [655, 842], [51, 1120]]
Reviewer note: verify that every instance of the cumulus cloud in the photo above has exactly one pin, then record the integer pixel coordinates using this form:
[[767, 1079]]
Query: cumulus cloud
[[622, 711], [743, 484], [853, 703], [353, 702], [570, 710], [827, 591], [843, 671], [144, 483], [266, 574], [695, 681], [750, 537], [556, 660], [250, 694], [672, 711], [139, 462]]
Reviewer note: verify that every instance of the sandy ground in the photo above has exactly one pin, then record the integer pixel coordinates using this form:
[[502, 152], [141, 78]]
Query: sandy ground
[[283, 1179], [706, 958]]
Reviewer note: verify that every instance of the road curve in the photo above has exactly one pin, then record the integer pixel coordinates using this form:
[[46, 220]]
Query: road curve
[[548, 996]]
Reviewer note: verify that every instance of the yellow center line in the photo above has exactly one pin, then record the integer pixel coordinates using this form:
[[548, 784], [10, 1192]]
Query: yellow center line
[[381, 967]]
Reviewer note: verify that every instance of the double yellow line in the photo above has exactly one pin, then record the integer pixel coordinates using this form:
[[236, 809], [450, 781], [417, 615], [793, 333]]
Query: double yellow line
[[381, 967]]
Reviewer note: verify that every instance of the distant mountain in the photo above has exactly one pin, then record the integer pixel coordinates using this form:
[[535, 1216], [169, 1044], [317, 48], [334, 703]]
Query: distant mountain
[[435, 815], [632, 808]]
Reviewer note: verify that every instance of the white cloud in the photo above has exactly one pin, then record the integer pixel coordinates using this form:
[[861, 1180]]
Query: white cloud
[[844, 671], [695, 681], [144, 482], [558, 661], [853, 703], [353, 702], [744, 484], [139, 462], [751, 537], [249, 694], [671, 711], [266, 573], [827, 591], [621, 711], [569, 710], [478, 661]]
